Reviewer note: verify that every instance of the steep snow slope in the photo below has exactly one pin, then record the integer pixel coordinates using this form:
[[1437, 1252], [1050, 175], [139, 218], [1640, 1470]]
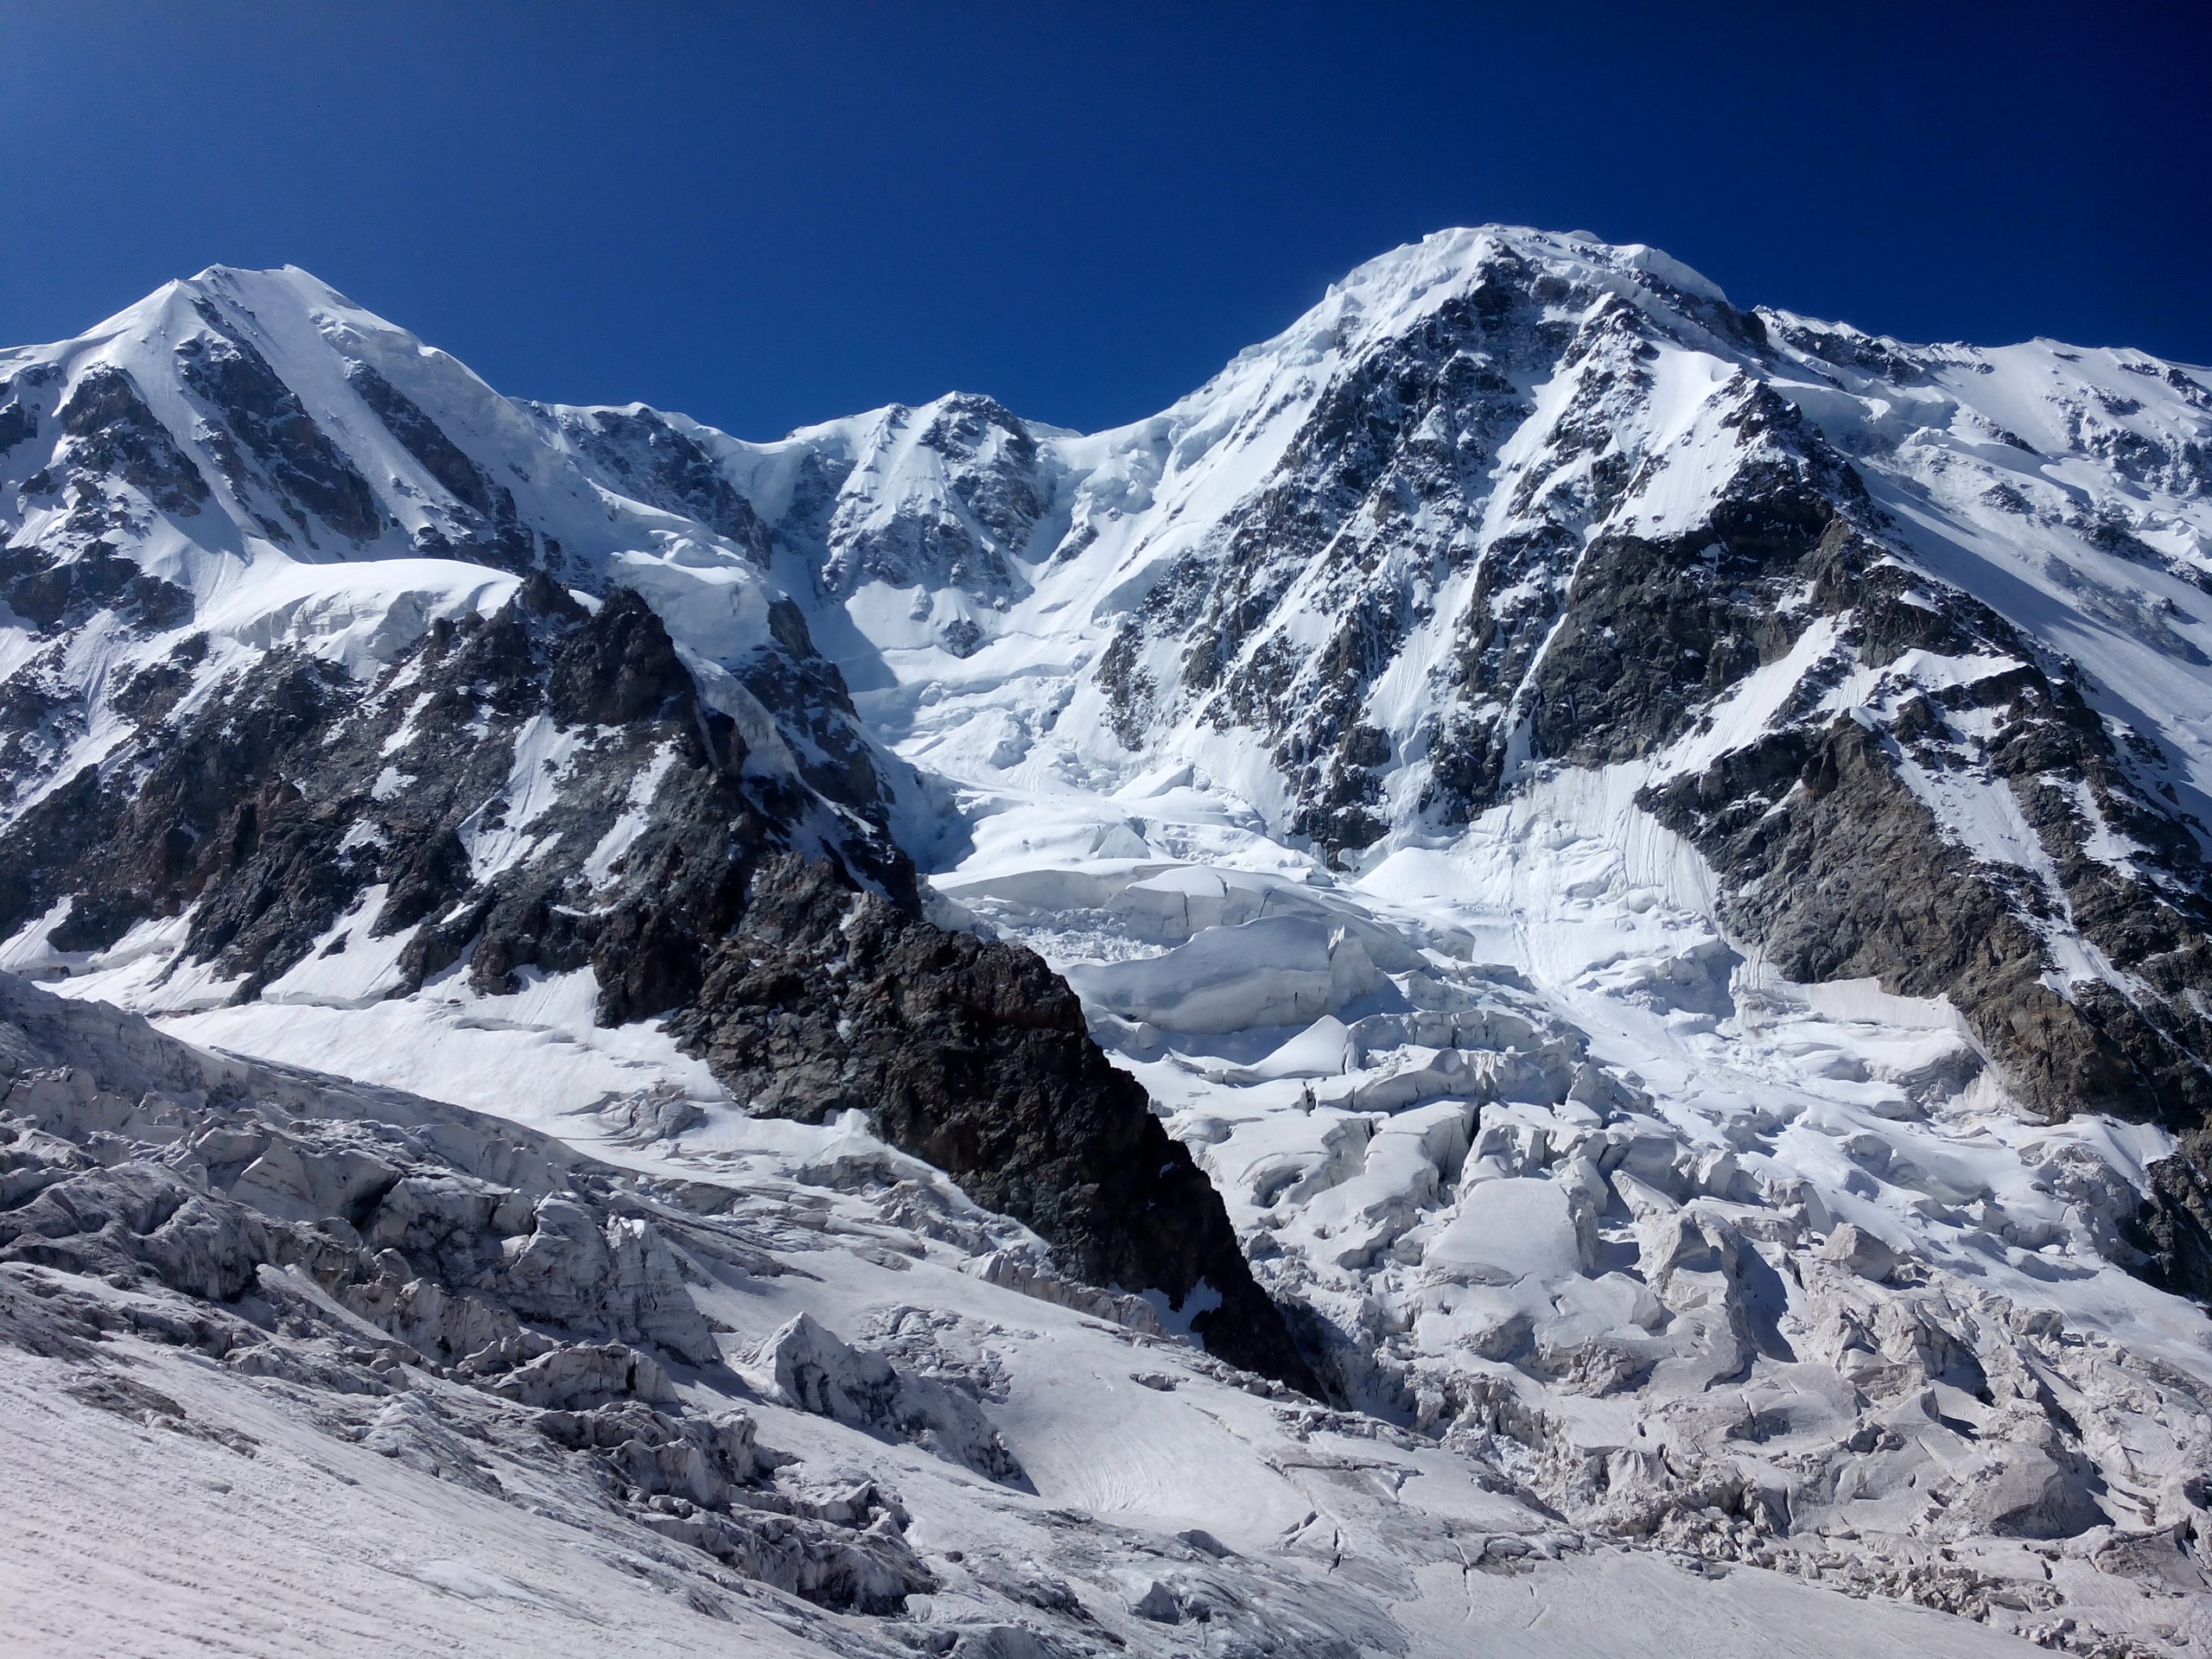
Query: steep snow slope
[[1506, 502], [1645, 847], [249, 453], [1452, 401]]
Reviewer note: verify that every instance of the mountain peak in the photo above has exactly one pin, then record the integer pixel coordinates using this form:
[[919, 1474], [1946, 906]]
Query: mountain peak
[[1458, 258]]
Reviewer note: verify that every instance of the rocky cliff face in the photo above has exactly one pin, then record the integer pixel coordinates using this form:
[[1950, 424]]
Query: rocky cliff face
[[976, 1055], [539, 788]]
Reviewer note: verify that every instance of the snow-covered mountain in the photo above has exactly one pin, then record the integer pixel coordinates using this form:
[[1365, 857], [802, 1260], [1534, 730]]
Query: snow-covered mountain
[[1650, 855]]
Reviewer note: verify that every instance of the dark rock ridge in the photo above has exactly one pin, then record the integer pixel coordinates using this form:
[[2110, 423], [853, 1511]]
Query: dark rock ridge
[[273, 808], [657, 461], [109, 430], [1375, 508], [992, 497], [1835, 865], [489, 532], [1839, 872], [976, 1055], [285, 452]]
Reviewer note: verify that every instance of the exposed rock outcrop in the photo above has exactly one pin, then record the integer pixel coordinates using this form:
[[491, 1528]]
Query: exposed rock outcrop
[[974, 1055]]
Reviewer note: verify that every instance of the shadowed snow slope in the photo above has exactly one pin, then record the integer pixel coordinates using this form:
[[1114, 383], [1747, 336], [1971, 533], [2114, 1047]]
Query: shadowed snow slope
[[1647, 853]]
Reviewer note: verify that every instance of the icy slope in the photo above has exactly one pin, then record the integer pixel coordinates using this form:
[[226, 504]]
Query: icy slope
[[1561, 1179], [1449, 403], [249, 453], [438, 1420]]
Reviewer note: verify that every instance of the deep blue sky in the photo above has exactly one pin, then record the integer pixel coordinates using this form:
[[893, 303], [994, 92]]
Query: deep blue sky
[[767, 216]]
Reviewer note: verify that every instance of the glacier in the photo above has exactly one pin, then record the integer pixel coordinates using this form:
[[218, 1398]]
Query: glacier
[[1648, 851]]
